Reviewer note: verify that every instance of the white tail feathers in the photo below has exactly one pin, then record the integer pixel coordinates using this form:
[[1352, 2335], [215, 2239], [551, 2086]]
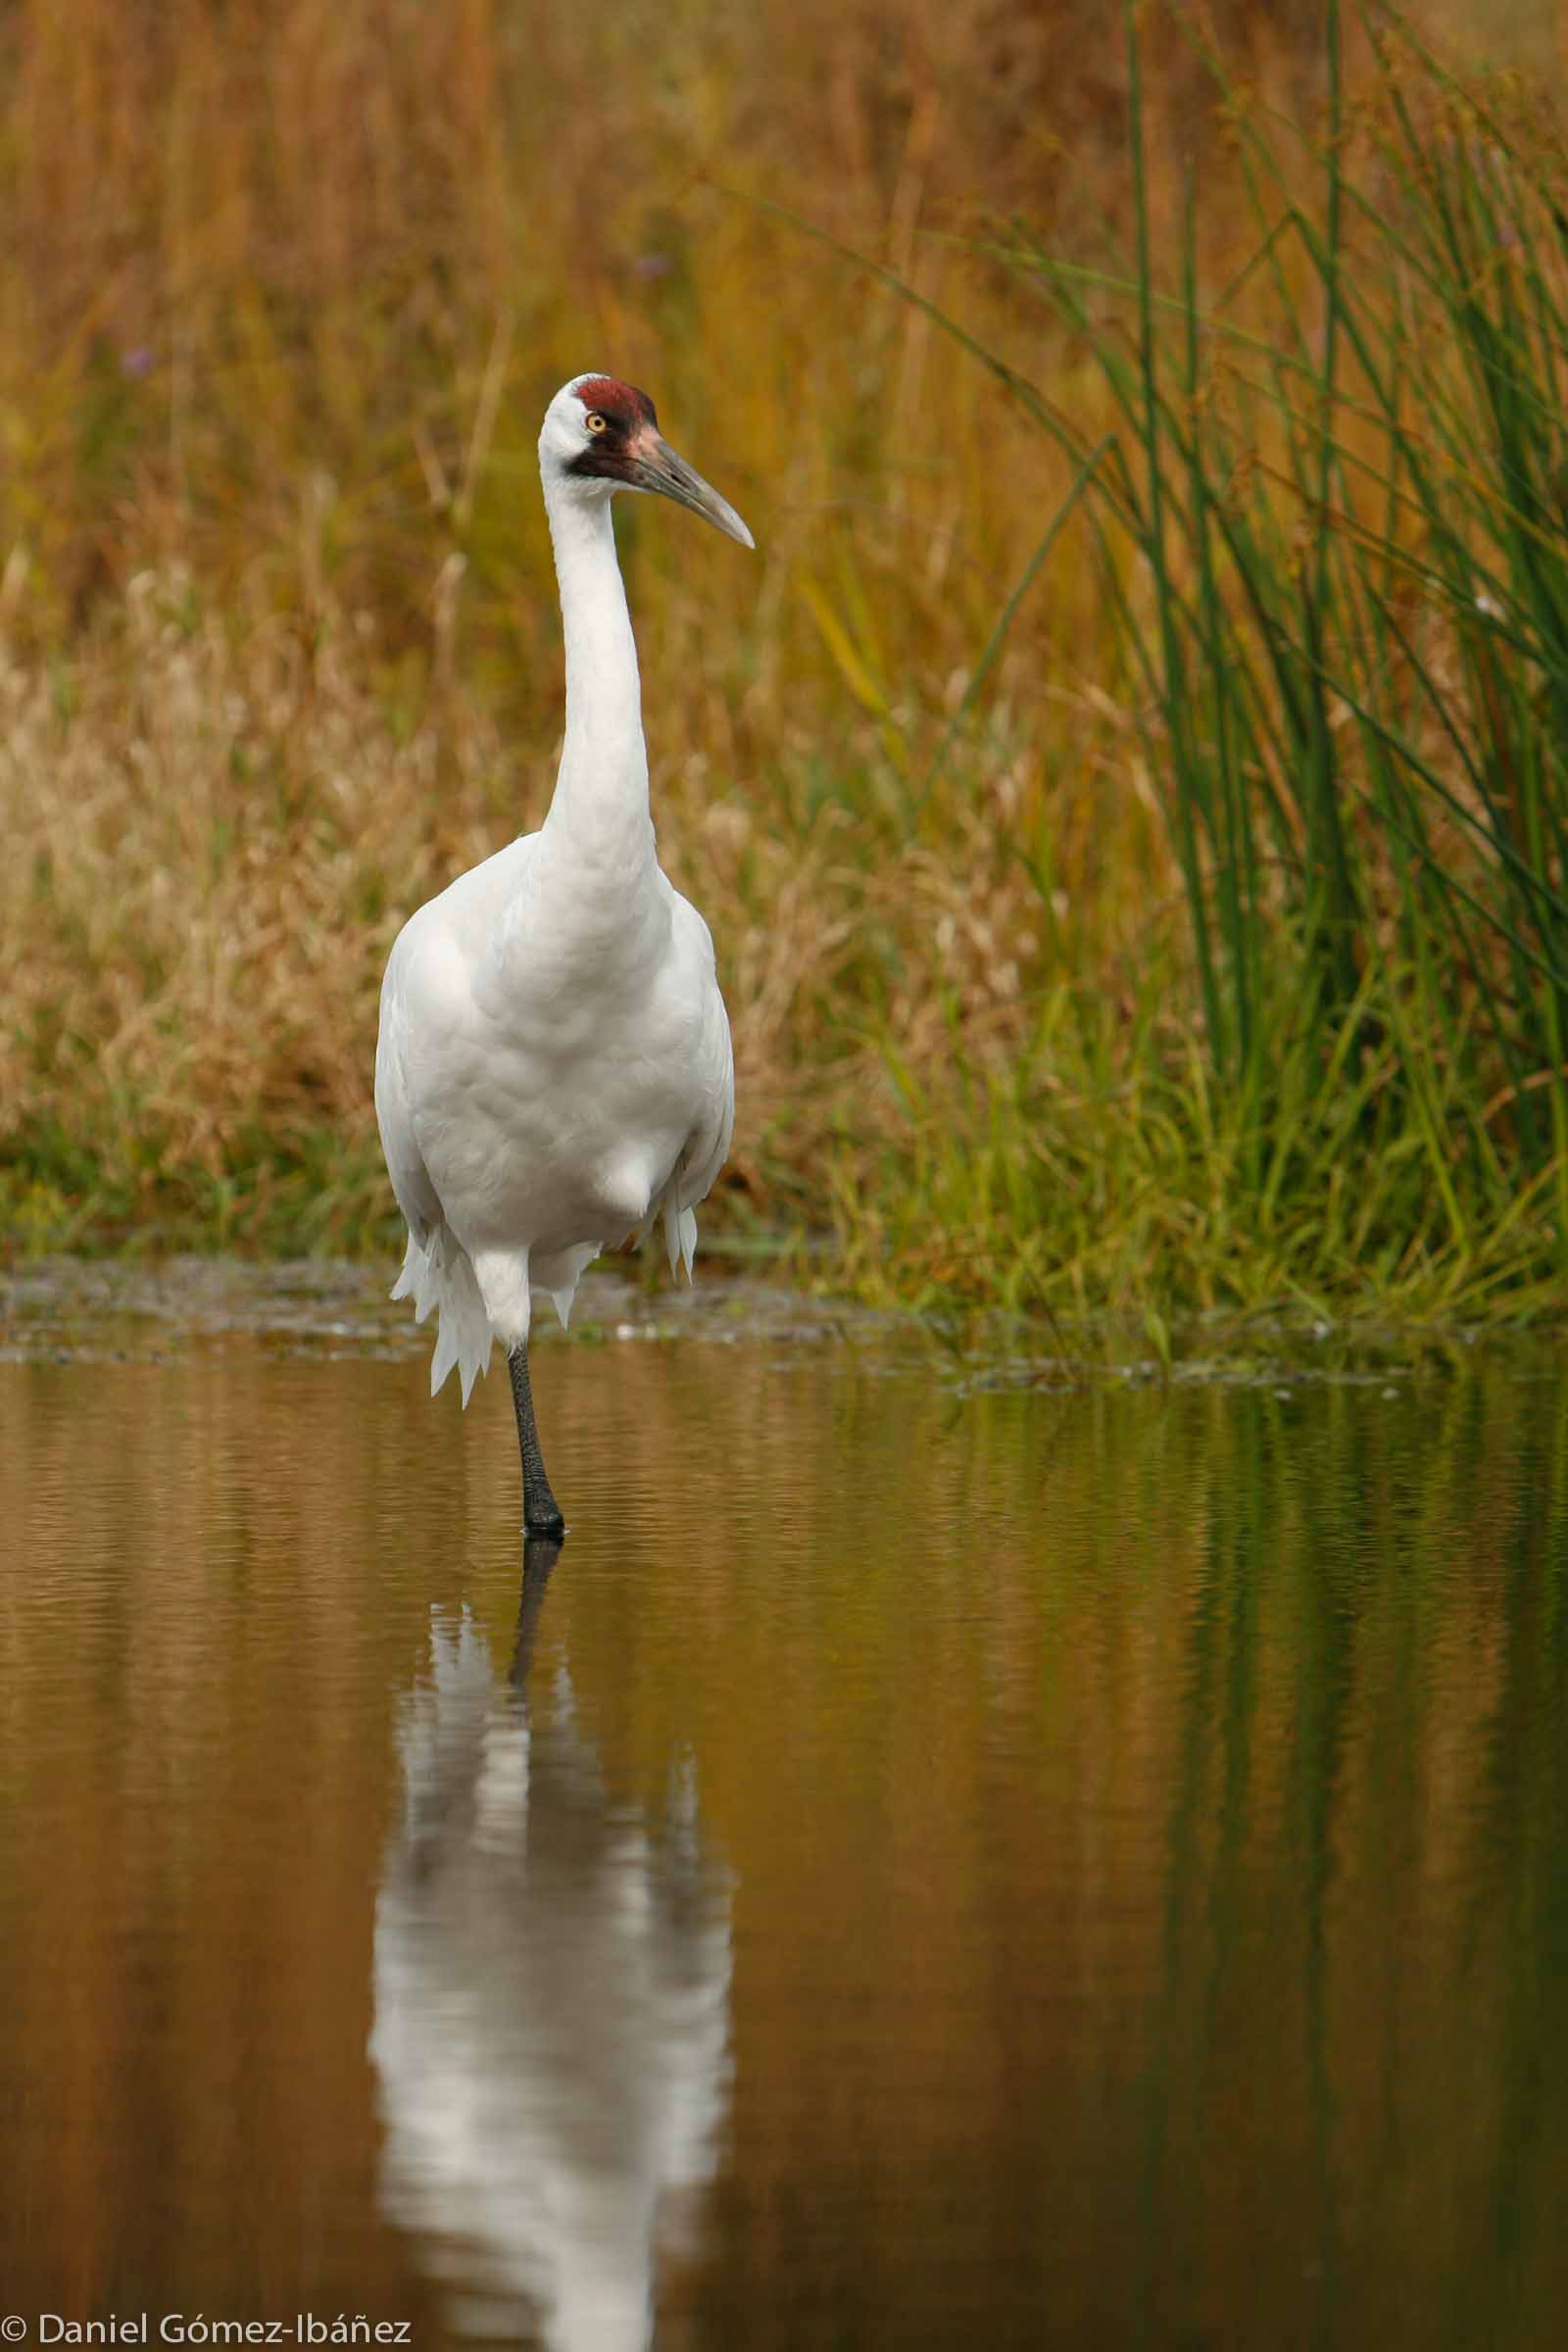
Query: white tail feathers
[[680, 1236], [438, 1275]]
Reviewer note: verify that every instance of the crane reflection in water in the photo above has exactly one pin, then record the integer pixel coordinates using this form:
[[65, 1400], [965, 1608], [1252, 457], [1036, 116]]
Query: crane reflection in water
[[552, 1987]]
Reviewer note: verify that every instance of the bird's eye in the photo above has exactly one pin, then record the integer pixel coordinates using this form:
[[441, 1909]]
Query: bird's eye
[[597, 423]]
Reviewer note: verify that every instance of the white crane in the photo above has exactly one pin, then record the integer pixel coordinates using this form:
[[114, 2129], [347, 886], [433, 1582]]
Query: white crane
[[554, 1068]]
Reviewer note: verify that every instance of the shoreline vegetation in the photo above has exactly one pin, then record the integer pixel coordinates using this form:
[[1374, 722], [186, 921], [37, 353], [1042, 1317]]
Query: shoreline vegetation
[[1128, 794]]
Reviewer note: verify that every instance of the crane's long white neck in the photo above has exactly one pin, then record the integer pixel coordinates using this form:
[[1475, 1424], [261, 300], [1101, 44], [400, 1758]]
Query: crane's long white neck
[[599, 808]]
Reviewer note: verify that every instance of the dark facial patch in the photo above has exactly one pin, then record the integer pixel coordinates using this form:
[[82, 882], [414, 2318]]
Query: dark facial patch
[[626, 411]]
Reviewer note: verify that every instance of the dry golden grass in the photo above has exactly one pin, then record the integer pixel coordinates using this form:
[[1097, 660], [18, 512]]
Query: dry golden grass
[[215, 832], [283, 291]]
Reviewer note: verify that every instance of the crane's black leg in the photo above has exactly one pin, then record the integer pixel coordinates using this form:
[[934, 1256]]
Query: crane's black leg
[[541, 1513]]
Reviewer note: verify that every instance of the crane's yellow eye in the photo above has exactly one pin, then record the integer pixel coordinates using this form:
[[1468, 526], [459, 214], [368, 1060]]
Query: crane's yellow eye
[[596, 422]]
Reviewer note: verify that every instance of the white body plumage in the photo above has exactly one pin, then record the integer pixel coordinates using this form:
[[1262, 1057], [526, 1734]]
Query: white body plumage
[[554, 1069]]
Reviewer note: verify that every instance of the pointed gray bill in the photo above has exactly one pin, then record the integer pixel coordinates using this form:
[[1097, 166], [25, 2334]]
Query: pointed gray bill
[[654, 465]]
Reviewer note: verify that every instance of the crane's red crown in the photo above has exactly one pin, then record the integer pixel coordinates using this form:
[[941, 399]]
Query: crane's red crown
[[623, 430], [622, 404]]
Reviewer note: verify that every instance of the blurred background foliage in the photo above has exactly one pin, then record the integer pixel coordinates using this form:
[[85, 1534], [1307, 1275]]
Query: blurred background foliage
[[283, 292]]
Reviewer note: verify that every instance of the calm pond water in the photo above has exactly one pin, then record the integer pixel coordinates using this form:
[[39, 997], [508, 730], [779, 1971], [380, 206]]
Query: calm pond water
[[1022, 1866]]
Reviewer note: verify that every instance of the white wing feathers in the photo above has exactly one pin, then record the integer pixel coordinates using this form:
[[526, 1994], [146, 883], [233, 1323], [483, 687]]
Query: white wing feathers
[[440, 1276], [680, 1235]]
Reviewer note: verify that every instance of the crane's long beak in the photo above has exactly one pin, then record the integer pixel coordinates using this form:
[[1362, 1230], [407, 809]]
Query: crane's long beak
[[654, 465]]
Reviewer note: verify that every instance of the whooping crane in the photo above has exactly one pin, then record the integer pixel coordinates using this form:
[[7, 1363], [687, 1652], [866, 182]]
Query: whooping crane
[[554, 1071]]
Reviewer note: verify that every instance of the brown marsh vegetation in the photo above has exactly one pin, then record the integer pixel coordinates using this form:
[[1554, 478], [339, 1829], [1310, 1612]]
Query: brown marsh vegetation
[[283, 293]]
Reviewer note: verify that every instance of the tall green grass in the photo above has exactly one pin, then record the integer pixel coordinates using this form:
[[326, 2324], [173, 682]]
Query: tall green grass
[[1329, 526]]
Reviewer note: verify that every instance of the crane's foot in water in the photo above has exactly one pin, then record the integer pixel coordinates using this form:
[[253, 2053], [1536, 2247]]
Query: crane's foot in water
[[541, 1512]]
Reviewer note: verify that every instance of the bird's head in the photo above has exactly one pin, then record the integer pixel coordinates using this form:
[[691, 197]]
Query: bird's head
[[600, 436]]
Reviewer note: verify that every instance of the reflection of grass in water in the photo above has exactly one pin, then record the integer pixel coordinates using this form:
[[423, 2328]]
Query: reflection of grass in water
[[1528, 1792], [1185, 931], [1364, 1873], [1021, 1727]]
